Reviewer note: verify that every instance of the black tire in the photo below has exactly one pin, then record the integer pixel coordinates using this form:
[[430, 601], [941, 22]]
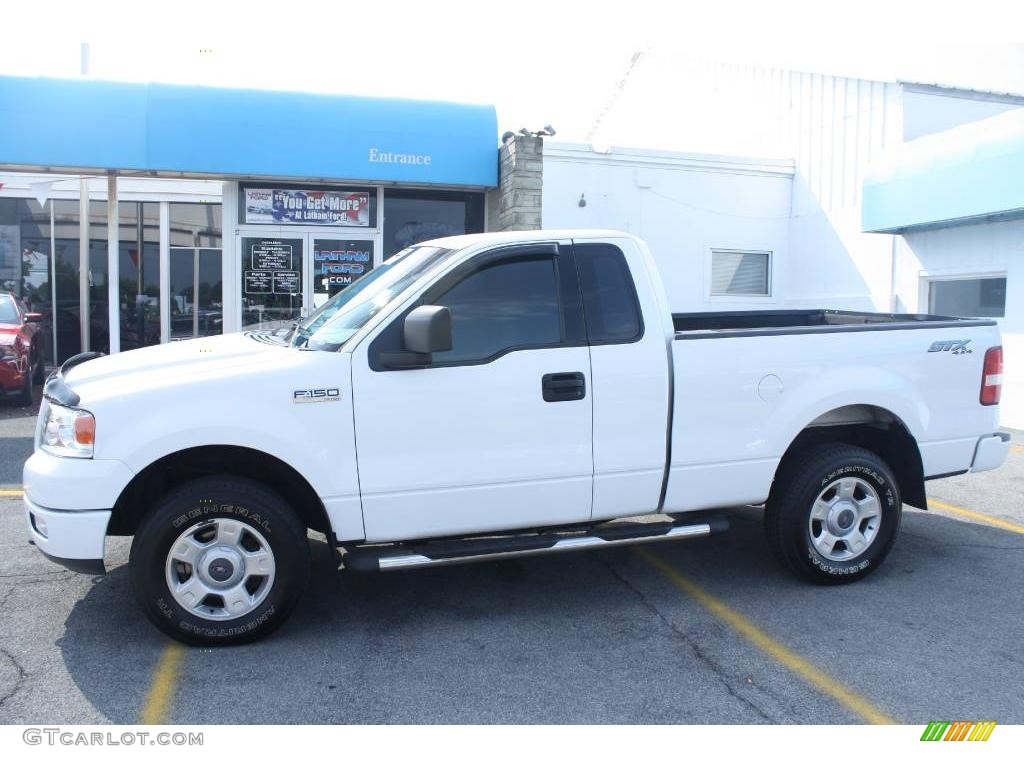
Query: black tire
[[788, 523], [225, 498]]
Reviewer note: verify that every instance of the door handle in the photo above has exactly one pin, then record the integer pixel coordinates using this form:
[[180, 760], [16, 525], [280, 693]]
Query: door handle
[[559, 387]]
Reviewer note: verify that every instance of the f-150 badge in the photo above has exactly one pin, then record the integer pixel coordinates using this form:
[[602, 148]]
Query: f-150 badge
[[316, 395]]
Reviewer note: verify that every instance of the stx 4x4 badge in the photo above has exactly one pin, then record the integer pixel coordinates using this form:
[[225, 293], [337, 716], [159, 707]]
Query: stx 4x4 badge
[[316, 395], [956, 346]]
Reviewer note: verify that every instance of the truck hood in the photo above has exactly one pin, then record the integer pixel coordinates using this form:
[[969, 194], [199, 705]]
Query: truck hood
[[170, 365]]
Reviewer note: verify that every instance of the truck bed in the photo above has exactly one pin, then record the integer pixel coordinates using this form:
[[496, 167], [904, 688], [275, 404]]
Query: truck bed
[[793, 321]]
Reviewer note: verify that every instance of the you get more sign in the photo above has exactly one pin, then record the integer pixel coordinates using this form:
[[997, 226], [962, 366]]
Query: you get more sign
[[331, 207]]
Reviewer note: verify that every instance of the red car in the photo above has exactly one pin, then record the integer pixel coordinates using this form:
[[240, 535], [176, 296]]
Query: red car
[[21, 349]]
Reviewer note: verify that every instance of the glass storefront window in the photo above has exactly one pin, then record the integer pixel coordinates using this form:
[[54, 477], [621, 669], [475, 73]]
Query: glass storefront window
[[196, 225], [67, 310], [412, 216], [196, 307], [25, 259], [196, 272], [139, 273]]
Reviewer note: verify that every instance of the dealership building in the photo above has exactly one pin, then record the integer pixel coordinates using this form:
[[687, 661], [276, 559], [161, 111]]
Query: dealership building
[[241, 208]]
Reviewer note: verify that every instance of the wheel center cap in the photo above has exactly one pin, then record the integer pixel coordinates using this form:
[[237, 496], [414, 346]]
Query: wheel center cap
[[842, 518], [221, 569]]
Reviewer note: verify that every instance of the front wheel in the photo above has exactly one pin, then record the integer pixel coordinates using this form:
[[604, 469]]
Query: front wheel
[[220, 561], [833, 513]]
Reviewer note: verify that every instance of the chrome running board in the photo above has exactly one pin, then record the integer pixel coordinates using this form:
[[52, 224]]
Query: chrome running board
[[476, 550]]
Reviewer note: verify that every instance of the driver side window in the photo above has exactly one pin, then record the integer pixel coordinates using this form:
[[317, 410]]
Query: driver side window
[[505, 305]]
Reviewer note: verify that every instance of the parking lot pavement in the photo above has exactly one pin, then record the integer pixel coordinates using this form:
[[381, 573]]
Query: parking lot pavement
[[609, 636], [16, 425]]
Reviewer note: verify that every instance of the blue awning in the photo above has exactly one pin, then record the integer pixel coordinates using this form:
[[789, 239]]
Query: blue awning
[[974, 172], [93, 125]]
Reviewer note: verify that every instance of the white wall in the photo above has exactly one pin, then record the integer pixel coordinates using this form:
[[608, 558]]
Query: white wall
[[930, 110], [683, 206], [988, 249]]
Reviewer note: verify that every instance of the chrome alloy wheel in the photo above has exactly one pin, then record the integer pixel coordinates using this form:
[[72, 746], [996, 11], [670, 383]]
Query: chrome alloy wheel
[[220, 569], [845, 519]]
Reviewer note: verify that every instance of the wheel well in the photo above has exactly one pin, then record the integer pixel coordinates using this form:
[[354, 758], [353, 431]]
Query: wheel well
[[147, 487], [875, 429]]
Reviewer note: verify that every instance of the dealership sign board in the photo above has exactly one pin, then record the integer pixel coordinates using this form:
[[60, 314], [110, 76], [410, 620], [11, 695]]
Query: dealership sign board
[[330, 207]]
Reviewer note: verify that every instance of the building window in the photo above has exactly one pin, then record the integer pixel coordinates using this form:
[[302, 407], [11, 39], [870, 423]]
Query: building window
[[968, 297], [412, 216], [196, 292], [741, 273]]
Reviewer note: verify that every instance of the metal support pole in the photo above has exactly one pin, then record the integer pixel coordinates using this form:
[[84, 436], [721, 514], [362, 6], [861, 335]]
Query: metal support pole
[[195, 291], [165, 272], [114, 264], [83, 262], [53, 282]]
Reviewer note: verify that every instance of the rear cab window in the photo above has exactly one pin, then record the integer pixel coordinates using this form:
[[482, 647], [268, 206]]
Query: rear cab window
[[610, 305]]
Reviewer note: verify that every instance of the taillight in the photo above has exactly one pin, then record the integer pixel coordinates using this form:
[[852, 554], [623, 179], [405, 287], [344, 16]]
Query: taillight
[[992, 377]]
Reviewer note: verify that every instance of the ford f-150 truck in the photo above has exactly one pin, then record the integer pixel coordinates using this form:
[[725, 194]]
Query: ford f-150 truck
[[494, 395]]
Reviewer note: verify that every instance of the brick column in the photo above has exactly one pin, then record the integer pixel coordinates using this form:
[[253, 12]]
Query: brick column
[[516, 203]]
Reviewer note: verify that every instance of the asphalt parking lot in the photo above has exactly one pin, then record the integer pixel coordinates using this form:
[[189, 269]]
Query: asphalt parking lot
[[705, 631]]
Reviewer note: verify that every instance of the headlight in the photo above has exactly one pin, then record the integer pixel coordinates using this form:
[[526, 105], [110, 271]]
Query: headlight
[[67, 431]]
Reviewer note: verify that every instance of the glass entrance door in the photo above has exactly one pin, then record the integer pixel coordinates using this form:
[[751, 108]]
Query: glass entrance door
[[337, 263], [273, 289], [285, 274]]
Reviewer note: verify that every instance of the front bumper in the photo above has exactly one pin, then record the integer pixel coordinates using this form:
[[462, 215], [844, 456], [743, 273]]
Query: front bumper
[[58, 482], [74, 540]]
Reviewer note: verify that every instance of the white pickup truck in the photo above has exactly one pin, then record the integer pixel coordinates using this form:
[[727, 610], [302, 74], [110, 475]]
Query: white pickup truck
[[495, 395]]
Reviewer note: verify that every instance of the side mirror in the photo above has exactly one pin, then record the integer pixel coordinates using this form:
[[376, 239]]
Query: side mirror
[[428, 329], [33, 317]]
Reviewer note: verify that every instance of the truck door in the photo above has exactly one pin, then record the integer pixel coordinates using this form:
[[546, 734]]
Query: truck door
[[630, 372], [494, 434]]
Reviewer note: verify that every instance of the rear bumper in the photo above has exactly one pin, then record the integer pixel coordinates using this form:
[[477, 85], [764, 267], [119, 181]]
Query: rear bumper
[[74, 540], [991, 452]]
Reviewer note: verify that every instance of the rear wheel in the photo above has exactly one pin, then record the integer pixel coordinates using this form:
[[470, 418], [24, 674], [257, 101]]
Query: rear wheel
[[220, 561], [833, 514]]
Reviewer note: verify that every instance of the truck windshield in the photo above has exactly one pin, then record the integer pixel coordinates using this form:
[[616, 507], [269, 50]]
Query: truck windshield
[[346, 312]]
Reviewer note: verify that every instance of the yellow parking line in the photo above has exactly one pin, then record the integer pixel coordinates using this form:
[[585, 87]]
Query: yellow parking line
[[164, 686], [13, 493], [789, 658], [987, 519]]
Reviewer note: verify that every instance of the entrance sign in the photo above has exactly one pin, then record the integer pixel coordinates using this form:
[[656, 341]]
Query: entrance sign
[[326, 207]]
